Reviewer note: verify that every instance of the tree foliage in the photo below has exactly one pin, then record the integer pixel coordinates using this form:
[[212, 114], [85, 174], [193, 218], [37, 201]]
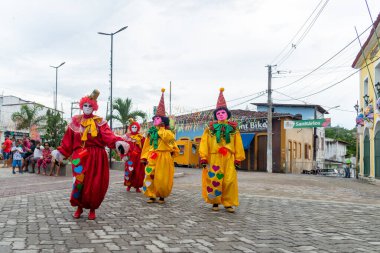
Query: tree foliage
[[55, 128], [343, 134], [28, 116], [123, 108]]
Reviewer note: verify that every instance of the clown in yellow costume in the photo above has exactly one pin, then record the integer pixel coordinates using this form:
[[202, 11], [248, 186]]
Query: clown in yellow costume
[[222, 149], [158, 151]]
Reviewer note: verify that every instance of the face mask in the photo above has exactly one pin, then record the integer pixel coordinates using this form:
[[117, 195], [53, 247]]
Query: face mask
[[221, 115], [134, 129], [157, 121], [87, 109]]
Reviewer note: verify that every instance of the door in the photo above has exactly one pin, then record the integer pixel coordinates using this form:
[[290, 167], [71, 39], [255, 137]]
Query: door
[[366, 158], [377, 155], [289, 159], [262, 153]]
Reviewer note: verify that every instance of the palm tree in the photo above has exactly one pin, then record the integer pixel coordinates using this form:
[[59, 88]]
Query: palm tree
[[123, 107], [27, 116], [55, 127]]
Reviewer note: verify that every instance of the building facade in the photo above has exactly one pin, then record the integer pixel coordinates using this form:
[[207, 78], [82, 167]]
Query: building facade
[[307, 112], [368, 62], [335, 153], [8, 106], [291, 149]]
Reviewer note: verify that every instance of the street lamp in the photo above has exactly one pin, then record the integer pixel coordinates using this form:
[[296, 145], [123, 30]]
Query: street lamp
[[111, 108], [366, 99], [112, 34], [56, 83], [377, 85]]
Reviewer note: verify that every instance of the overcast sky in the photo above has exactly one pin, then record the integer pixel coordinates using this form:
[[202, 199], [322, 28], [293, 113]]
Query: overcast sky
[[198, 45]]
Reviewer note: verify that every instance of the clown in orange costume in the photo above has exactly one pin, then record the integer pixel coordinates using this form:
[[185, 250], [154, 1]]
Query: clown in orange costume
[[134, 170], [222, 148], [158, 152], [85, 140]]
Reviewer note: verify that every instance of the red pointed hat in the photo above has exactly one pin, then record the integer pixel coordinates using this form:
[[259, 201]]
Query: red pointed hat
[[161, 106], [221, 101]]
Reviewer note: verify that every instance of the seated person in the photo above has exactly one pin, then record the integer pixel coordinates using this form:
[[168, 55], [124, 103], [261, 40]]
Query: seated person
[[45, 159]]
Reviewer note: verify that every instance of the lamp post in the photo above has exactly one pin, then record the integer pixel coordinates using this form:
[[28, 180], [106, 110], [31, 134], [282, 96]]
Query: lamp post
[[56, 84], [111, 108], [112, 34], [377, 85], [366, 99]]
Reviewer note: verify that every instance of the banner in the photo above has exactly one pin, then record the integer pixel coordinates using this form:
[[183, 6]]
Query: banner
[[307, 123]]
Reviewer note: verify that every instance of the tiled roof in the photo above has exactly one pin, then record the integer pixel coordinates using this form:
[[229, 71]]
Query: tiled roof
[[205, 116]]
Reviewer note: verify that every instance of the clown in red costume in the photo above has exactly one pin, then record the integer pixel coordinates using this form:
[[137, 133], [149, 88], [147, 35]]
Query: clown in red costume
[[85, 140], [134, 170]]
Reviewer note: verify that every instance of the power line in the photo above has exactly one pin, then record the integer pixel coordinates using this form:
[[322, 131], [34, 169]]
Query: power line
[[299, 30], [294, 45], [334, 84], [263, 93], [260, 93], [324, 63]]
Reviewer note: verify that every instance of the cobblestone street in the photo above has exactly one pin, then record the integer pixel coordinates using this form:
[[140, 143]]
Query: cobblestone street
[[277, 213]]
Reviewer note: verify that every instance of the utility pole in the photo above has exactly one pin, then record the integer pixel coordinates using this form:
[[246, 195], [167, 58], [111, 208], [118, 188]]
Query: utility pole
[[170, 99], [269, 129]]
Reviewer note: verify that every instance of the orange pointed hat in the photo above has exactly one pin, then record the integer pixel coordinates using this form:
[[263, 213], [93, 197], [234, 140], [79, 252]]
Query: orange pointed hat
[[221, 104], [161, 106], [221, 101]]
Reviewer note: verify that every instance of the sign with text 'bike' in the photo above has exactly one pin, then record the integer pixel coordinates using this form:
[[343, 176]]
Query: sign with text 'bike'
[[307, 123]]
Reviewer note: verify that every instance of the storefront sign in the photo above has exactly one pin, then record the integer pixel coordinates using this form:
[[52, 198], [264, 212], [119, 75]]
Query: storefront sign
[[307, 123], [251, 125]]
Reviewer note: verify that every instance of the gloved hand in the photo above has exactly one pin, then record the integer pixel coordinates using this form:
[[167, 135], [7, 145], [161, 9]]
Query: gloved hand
[[57, 155], [122, 147], [237, 165], [143, 161], [203, 163]]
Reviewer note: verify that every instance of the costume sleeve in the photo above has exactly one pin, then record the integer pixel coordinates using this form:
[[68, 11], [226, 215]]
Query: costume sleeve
[[166, 135], [239, 148], [108, 137], [67, 143], [203, 146], [145, 149]]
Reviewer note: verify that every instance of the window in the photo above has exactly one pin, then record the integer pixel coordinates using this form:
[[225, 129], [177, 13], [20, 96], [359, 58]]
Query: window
[[309, 151], [323, 143], [299, 151], [295, 150], [306, 151], [181, 149]]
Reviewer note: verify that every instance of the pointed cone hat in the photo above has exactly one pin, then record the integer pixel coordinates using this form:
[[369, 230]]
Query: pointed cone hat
[[161, 106], [221, 101]]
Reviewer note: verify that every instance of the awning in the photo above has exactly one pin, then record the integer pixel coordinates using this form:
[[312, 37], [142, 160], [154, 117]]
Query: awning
[[247, 139]]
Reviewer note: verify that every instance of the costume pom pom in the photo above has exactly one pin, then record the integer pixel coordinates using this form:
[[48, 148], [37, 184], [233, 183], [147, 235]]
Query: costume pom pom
[[163, 90], [221, 89]]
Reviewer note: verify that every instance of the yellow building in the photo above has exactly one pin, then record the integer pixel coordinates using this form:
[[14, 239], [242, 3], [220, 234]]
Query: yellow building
[[368, 62]]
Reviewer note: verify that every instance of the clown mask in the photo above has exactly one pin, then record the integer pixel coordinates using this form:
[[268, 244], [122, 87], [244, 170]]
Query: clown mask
[[157, 121], [134, 129], [87, 109], [221, 115]]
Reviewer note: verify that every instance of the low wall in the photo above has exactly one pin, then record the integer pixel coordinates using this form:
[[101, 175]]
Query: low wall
[[65, 170]]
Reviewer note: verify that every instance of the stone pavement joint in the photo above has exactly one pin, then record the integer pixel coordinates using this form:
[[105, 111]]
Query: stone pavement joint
[[277, 213]]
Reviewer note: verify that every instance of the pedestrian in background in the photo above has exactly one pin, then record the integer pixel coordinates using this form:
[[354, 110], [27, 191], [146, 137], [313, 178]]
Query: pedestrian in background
[[6, 147], [17, 157], [347, 169]]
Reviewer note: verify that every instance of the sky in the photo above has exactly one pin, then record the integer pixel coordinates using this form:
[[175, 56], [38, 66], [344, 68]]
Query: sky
[[198, 46]]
